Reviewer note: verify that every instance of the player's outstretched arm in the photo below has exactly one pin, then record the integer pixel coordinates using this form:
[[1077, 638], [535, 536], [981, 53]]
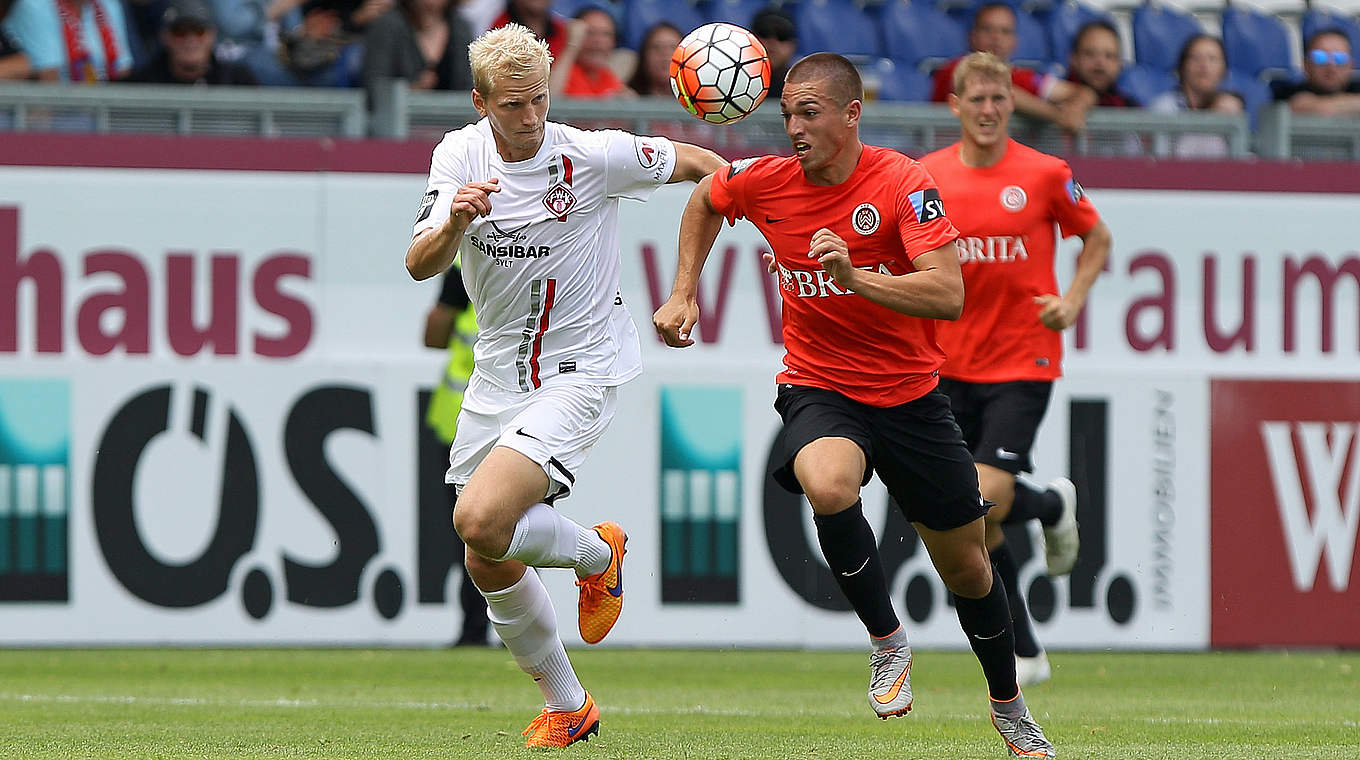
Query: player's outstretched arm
[[433, 250], [1061, 313], [699, 227], [933, 291], [693, 163]]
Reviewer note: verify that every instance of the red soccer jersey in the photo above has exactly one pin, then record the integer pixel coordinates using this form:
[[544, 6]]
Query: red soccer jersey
[[889, 213], [1006, 215]]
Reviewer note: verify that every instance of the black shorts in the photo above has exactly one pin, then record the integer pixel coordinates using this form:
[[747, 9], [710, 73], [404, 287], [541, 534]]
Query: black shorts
[[916, 449], [999, 420]]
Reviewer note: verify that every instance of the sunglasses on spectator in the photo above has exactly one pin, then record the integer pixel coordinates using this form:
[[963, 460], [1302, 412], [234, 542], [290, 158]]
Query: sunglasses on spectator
[[1336, 57]]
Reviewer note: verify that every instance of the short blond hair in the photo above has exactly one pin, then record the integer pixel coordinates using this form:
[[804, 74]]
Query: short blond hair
[[511, 50], [984, 66]]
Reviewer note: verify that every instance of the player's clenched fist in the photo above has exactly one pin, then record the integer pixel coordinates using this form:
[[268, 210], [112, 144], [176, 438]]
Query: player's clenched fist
[[675, 320], [472, 200], [830, 250]]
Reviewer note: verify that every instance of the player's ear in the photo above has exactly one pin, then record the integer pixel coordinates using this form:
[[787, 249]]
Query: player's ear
[[954, 103], [853, 112], [478, 102]]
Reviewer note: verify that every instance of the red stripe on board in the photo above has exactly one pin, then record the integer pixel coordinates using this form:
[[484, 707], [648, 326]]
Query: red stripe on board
[[542, 328]]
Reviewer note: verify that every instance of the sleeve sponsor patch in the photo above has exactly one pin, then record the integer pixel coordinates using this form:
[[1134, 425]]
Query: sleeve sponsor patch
[[1074, 190], [426, 205], [648, 154], [739, 166], [927, 204]]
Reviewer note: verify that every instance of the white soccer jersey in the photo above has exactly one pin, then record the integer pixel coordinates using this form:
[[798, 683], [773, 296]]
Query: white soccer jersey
[[543, 269]]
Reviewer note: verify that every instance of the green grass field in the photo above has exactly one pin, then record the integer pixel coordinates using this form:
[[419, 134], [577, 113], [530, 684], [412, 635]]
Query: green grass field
[[461, 703]]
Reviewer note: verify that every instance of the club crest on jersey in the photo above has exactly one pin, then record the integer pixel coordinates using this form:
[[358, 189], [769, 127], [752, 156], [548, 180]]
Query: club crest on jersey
[[1013, 198], [426, 205], [559, 201], [865, 219]]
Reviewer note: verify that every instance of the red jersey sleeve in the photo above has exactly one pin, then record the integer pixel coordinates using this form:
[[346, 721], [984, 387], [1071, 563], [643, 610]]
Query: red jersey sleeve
[[1075, 213], [924, 226], [728, 192]]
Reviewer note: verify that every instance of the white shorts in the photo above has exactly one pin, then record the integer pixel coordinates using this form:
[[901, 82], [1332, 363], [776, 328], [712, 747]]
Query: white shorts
[[555, 426]]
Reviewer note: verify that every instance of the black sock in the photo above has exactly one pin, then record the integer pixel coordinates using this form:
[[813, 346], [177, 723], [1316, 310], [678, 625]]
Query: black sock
[[987, 621], [1009, 574], [1033, 503], [851, 552]]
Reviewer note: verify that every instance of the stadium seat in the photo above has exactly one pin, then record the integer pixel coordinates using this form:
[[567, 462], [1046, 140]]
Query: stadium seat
[[1316, 18], [1064, 20], [907, 82], [1255, 93], [1145, 83], [640, 15], [739, 12], [838, 26], [1159, 33], [1031, 41], [920, 35], [1257, 43], [569, 8]]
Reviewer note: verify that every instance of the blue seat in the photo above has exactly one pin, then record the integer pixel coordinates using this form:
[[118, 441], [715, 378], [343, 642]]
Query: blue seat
[[739, 12], [1064, 20], [920, 35], [1031, 41], [1255, 92], [641, 15], [1145, 83], [906, 82], [838, 26], [1315, 19], [1257, 43], [569, 8], [1159, 33]]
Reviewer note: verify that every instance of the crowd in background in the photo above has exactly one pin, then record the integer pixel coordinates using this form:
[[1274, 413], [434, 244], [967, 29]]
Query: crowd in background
[[359, 43]]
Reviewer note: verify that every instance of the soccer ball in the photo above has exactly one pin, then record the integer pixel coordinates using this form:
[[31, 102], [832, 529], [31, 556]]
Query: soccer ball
[[720, 73]]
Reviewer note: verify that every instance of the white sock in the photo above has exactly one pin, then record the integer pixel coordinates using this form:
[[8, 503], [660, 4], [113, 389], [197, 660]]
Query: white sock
[[524, 619], [545, 538]]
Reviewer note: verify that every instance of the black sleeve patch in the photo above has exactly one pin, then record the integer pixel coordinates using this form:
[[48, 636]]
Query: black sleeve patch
[[426, 205]]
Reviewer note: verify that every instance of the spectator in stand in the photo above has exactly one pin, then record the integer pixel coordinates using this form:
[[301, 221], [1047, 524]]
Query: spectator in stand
[[1327, 89], [187, 36], [72, 40], [537, 15], [14, 63], [1039, 96], [652, 74], [1201, 69], [1095, 64], [480, 14], [583, 70], [777, 32], [422, 41]]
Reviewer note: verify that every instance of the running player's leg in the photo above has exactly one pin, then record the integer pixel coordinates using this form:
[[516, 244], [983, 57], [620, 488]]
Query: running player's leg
[[506, 523], [826, 444], [922, 459], [1008, 416]]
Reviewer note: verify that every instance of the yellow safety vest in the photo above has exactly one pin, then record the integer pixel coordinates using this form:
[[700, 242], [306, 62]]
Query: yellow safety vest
[[447, 399]]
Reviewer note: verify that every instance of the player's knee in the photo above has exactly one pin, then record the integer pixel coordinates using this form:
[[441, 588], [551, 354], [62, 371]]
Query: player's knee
[[830, 492], [475, 523], [971, 579]]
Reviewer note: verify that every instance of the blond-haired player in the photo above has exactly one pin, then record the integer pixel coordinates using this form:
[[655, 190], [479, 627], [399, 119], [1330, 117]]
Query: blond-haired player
[[532, 207]]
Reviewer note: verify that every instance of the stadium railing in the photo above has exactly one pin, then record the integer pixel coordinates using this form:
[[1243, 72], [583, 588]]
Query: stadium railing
[[1283, 134], [400, 113]]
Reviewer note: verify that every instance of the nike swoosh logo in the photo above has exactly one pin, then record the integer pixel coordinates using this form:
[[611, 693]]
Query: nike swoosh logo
[[616, 590], [520, 431], [771, 220], [891, 693], [1004, 454], [573, 730], [856, 571], [989, 638]]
